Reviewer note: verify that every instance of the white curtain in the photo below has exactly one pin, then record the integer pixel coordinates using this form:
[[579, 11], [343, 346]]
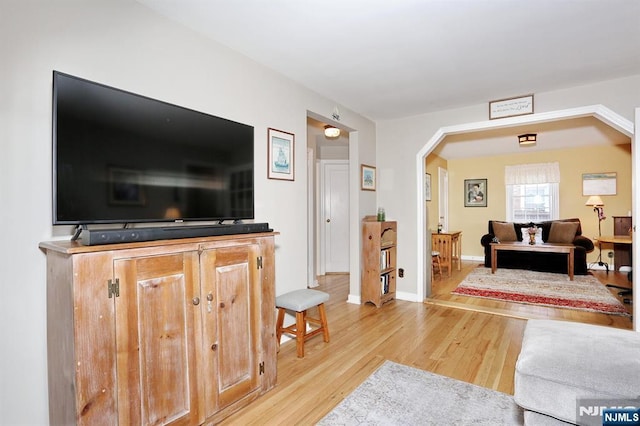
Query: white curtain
[[531, 174], [524, 174]]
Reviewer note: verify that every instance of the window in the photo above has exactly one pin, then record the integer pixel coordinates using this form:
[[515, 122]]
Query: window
[[532, 192]]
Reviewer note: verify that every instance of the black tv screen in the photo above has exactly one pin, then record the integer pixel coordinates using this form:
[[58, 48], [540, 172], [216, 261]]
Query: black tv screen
[[119, 157]]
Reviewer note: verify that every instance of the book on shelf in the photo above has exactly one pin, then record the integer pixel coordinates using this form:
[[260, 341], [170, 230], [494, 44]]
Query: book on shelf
[[385, 258], [384, 283]]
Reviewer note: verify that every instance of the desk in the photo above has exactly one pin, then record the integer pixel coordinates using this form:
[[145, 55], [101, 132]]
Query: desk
[[568, 249], [449, 244], [621, 247]]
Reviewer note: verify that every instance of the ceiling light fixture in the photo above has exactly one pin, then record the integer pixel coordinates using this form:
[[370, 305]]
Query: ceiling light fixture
[[331, 132], [527, 139]]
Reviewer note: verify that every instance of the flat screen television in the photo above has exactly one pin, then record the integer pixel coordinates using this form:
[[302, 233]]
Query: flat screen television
[[119, 157]]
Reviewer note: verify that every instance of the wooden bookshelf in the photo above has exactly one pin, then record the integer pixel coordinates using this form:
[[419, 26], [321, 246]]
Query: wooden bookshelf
[[379, 245]]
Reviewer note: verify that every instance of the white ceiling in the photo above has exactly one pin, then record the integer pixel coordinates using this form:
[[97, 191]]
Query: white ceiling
[[388, 59]]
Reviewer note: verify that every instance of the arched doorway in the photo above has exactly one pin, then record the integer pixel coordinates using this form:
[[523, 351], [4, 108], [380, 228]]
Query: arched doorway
[[599, 112]]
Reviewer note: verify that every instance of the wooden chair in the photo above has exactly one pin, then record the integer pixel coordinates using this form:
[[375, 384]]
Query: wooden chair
[[299, 301], [435, 263], [442, 244]]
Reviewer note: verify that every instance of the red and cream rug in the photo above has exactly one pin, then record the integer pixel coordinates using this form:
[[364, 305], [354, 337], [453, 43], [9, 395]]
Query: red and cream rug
[[584, 293]]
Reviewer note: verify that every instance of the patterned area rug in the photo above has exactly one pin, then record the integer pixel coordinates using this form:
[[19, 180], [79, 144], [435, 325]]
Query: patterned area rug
[[399, 395], [584, 293]]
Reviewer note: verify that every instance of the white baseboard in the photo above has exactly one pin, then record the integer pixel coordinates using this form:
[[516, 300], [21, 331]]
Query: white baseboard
[[353, 299], [400, 295], [409, 297]]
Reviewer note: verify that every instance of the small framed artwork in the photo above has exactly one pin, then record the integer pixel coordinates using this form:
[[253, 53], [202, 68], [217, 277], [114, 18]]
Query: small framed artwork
[[280, 155], [427, 187], [511, 107], [125, 187], [367, 178], [475, 193], [599, 183]]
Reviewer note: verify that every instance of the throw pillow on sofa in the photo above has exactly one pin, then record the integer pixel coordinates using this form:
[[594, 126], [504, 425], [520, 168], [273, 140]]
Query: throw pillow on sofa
[[504, 231], [562, 232]]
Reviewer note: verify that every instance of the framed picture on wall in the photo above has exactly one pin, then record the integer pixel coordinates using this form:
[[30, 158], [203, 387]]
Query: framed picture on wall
[[599, 183], [280, 154], [475, 193], [367, 178], [511, 107]]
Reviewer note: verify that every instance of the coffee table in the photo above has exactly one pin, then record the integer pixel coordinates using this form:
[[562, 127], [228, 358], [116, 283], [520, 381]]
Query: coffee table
[[568, 249]]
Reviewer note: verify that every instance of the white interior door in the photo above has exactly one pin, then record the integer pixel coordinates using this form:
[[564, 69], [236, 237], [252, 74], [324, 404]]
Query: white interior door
[[334, 216]]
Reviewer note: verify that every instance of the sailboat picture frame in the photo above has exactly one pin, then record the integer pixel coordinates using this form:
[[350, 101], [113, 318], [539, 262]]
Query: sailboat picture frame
[[280, 154]]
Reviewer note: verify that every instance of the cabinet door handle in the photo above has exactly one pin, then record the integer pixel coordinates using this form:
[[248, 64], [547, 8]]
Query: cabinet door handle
[[209, 305], [196, 301]]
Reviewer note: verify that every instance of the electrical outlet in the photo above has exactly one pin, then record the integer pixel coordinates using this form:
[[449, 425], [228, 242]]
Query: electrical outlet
[[401, 272], [610, 255]]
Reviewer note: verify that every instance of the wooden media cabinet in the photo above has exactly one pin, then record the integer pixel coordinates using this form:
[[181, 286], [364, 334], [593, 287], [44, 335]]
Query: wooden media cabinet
[[162, 332]]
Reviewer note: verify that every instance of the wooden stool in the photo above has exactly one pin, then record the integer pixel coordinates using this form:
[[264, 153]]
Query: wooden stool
[[299, 301]]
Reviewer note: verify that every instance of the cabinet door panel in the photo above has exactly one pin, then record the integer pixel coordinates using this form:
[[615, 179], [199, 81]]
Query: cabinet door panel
[[231, 277], [157, 327], [94, 316]]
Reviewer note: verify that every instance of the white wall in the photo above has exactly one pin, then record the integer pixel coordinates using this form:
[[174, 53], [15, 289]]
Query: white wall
[[399, 141], [123, 44]]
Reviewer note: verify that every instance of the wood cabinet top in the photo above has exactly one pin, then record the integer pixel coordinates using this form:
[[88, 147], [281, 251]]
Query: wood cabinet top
[[74, 247]]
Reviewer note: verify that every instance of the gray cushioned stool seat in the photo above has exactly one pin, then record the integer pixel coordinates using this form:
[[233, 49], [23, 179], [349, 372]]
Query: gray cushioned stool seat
[[301, 300], [561, 362]]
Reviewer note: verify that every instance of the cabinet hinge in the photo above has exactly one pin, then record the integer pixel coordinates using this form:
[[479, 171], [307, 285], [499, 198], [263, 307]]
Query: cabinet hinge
[[262, 368], [259, 261], [113, 288]]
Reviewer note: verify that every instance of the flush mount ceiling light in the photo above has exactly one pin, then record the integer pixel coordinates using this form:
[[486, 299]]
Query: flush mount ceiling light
[[331, 132], [528, 139]]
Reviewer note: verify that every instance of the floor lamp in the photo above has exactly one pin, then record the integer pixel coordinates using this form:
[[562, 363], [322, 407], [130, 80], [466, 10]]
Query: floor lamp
[[598, 206]]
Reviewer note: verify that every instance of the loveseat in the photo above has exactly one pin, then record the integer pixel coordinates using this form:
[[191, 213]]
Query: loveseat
[[566, 231]]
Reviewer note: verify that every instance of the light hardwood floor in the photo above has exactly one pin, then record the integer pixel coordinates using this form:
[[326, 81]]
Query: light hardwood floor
[[468, 339]]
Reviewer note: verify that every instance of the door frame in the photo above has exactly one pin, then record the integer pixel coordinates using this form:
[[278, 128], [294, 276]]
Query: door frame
[[312, 280], [635, 207], [443, 197]]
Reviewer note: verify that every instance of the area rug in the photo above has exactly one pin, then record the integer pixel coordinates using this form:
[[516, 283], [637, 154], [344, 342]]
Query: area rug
[[396, 394], [584, 293]]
